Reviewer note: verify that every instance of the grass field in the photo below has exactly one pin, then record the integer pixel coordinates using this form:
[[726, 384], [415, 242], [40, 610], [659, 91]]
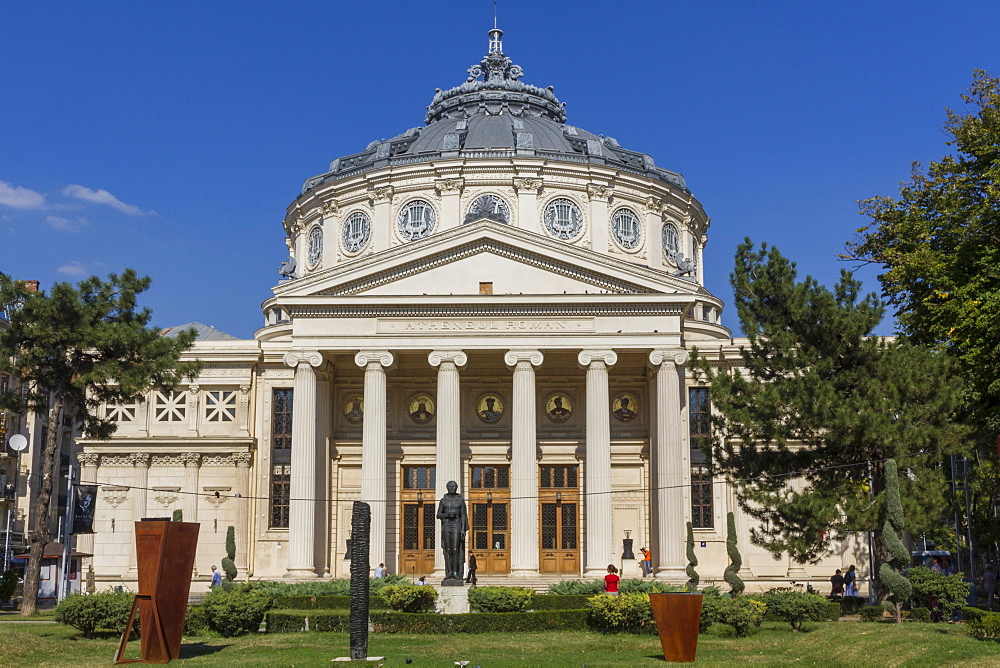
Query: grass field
[[827, 644]]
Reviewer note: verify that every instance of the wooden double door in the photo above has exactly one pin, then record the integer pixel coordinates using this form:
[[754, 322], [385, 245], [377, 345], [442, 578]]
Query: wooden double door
[[416, 557], [489, 520], [559, 550]]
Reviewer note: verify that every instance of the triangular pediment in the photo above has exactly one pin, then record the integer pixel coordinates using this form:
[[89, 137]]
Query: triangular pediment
[[459, 260]]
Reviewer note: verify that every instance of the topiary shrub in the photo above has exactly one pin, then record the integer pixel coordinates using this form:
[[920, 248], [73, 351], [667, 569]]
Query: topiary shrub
[[558, 602], [500, 599], [711, 605], [891, 572], [833, 610], [920, 614], [196, 621], [650, 586], [950, 591], [625, 613], [228, 563], [237, 612], [577, 587], [850, 605], [742, 613], [323, 603], [871, 613], [736, 585], [693, 577], [409, 598], [106, 611], [795, 607], [178, 516]]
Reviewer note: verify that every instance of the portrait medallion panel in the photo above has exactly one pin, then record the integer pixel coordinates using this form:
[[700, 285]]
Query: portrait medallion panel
[[421, 408], [625, 407], [558, 407], [354, 409], [490, 408]]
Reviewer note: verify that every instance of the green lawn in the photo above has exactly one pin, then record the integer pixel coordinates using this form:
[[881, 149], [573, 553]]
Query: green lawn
[[827, 644]]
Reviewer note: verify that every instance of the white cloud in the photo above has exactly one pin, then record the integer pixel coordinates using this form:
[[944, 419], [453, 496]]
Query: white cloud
[[101, 196], [20, 198], [66, 224], [74, 268]]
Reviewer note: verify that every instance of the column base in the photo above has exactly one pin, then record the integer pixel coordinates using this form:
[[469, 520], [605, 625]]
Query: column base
[[672, 575], [301, 573], [595, 572], [524, 573]]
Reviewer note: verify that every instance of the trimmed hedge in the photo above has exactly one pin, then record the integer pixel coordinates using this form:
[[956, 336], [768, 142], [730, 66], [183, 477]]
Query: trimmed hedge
[[289, 621], [851, 605], [323, 603], [871, 613], [500, 599], [985, 627], [920, 614], [90, 612], [559, 602], [410, 598], [794, 607]]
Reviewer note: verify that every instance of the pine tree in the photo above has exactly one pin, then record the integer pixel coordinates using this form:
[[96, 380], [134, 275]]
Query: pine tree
[[730, 575], [693, 578], [75, 349], [890, 573], [228, 563], [815, 395]]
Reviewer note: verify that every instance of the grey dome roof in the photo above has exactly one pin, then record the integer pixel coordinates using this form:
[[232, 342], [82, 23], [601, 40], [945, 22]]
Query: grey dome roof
[[494, 114]]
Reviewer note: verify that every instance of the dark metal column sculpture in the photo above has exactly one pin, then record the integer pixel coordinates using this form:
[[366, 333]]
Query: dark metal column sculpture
[[361, 520]]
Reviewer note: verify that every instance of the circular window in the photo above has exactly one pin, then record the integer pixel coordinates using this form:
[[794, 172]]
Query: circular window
[[671, 241], [356, 232], [491, 207], [416, 220], [315, 248], [626, 230], [563, 219]]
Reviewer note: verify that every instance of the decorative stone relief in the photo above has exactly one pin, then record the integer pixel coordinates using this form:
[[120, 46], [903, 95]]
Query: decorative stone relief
[[528, 184], [217, 460], [330, 208], [242, 458], [115, 496], [449, 185], [139, 459], [165, 496], [381, 193], [599, 192], [115, 460], [190, 458], [217, 495], [168, 460], [88, 458]]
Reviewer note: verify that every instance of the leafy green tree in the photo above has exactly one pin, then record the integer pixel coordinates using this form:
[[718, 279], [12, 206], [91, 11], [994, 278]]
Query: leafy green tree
[[891, 571], [178, 516], [74, 349], [938, 244], [731, 574], [693, 579], [815, 397]]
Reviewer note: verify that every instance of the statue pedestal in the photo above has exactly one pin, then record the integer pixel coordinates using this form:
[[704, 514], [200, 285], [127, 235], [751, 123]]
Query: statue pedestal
[[452, 600]]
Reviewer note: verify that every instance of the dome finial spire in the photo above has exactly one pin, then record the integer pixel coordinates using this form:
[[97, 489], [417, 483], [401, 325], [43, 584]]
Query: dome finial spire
[[496, 35]]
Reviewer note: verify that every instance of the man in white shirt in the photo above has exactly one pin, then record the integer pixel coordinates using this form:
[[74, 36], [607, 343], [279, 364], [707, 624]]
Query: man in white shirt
[[380, 571]]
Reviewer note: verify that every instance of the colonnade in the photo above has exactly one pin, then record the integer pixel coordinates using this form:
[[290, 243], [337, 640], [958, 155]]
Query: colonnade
[[669, 449]]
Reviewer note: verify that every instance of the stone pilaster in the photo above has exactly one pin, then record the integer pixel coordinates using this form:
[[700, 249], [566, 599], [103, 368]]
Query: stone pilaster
[[523, 464], [192, 472], [140, 487], [242, 488], [373, 455], [302, 490], [448, 457], [597, 483], [671, 466]]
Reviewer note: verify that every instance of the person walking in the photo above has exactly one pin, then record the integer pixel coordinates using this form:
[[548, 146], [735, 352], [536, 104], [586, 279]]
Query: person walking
[[851, 581], [838, 584], [611, 581], [471, 576], [990, 585], [647, 562], [216, 577]]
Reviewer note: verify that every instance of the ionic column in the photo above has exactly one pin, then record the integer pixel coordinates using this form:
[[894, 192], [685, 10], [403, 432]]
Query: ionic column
[[302, 487], [671, 466], [448, 458], [242, 487], [140, 485], [523, 464], [88, 476], [373, 457], [597, 483]]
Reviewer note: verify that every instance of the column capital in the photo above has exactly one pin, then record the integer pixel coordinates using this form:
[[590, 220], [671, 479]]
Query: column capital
[[191, 458], [139, 459], [242, 459], [436, 357], [661, 356], [313, 358], [88, 458], [588, 357], [534, 357], [366, 357]]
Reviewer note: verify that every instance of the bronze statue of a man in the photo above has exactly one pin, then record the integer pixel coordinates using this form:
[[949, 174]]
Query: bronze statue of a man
[[454, 524]]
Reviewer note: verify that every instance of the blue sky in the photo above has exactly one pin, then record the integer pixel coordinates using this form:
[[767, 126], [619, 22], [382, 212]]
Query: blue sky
[[170, 137]]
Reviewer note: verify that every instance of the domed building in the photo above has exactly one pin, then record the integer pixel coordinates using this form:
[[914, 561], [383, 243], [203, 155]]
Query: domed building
[[496, 297]]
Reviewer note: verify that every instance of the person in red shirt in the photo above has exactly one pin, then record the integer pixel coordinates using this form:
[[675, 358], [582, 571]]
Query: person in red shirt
[[611, 581]]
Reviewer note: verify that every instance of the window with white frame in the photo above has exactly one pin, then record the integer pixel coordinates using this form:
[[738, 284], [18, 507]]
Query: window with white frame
[[170, 406], [220, 406]]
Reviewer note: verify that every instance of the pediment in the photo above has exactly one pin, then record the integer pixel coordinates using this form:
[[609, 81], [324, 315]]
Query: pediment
[[457, 261]]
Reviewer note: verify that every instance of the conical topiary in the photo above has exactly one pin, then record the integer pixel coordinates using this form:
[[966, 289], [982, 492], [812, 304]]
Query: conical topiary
[[228, 563], [899, 558]]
